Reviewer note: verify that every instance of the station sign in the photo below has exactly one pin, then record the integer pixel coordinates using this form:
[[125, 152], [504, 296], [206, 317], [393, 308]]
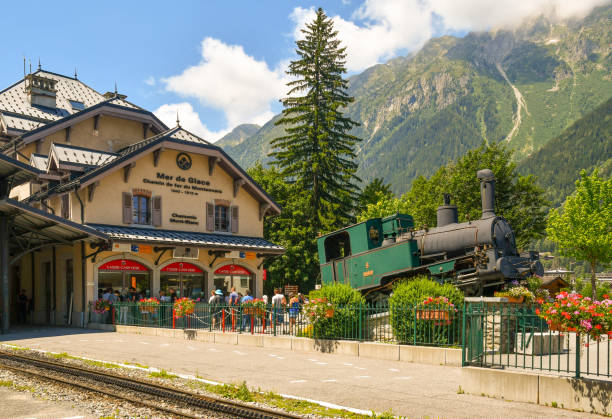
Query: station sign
[[232, 270], [123, 265], [182, 267], [132, 248], [235, 254]]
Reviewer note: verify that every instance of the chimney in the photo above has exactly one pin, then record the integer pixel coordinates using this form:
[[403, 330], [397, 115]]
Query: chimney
[[447, 213], [487, 192], [41, 90]]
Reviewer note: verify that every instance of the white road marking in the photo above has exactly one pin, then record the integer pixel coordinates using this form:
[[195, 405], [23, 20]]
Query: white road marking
[[329, 381], [403, 378], [393, 370], [360, 368], [362, 376], [120, 341], [213, 350], [97, 340], [239, 353], [322, 363], [272, 355], [144, 343], [191, 348], [347, 364], [83, 340], [280, 357], [297, 381], [312, 360]]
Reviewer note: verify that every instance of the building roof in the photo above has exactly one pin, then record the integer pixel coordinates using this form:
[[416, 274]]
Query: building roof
[[14, 98], [15, 171], [75, 101], [188, 238], [32, 228], [70, 155], [39, 161]]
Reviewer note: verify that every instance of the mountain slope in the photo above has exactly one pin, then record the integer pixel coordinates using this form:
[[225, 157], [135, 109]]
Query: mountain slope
[[523, 86], [586, 144], [238, 135]]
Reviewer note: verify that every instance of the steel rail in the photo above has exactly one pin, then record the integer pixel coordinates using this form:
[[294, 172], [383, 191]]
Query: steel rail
[[184, 397], [100, 390]]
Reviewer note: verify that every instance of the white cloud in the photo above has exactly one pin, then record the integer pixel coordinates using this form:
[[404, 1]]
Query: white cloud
[[189, 119], [378, 31], [230, 80], [150, 81], [485, 14]]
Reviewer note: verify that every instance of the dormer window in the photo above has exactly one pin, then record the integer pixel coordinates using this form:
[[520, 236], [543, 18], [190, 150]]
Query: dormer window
[[77, 106]]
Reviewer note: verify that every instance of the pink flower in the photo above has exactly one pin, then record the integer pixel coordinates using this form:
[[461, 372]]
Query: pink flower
[[586, 324]]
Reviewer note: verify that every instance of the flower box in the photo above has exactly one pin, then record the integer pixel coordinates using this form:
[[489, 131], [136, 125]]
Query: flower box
[[516, 300], [433, 314]]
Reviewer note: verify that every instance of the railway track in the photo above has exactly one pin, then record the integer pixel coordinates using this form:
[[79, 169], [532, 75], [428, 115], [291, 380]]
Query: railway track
[[151, 394]]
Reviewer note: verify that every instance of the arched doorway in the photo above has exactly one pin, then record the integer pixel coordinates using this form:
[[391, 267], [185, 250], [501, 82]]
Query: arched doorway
[[228, 276], [186, 279], [124, 275]]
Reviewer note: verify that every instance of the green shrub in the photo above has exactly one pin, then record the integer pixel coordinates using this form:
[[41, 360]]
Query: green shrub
[[583, 286], [338, 294], [404, 304], [335, 312]]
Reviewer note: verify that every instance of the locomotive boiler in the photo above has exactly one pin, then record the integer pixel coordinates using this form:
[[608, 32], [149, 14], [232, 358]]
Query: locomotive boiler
[[477, 255]]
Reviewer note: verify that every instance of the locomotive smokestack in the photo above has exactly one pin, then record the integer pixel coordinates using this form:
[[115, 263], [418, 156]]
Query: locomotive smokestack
[[447, 213], [487, 192]]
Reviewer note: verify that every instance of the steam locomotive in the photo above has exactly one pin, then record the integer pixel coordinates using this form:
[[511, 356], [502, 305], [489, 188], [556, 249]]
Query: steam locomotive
[[477, 256]]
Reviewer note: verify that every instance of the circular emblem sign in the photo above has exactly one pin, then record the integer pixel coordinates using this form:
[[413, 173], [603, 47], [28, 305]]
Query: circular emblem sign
[[183, 161]]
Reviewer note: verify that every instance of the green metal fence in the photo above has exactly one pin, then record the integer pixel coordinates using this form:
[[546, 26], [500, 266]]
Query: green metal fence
[[513, 336], [412, 325]]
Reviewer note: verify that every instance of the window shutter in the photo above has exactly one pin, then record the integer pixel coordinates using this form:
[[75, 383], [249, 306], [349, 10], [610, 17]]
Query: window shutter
[[156, 211], [234, 222], [127, 208], [210, 216], [66, 206]]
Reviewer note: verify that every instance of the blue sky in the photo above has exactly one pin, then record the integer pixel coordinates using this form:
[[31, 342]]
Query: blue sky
[[221, 63]]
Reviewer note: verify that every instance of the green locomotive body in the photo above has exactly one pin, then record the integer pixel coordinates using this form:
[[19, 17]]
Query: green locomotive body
[[477, 256]]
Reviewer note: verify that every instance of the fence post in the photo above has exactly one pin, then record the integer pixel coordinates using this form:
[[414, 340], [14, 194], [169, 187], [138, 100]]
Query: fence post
[[463, 362], [577, 355], [113, 315], [414, 336], [274, 319], [360, 332], [173, 319]]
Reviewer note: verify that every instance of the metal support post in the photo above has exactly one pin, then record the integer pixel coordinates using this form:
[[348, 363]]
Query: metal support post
[[577, 355], [4, 277]]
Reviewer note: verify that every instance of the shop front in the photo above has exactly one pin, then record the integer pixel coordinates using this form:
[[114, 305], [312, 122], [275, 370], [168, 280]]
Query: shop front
[[124, 275], [186, 279], [239, 277]]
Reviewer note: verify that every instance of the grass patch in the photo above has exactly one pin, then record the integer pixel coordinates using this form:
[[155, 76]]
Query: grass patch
[[100, 364], [136, 364], [302, 407], [163, 374], [5, 383], [11, 384]]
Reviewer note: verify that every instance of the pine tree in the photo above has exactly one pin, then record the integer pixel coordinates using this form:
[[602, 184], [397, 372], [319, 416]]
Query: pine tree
[[317, 152]]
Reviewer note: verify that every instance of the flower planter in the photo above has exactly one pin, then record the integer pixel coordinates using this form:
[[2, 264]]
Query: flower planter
[[516, 300], [329, 313], [254, 311], [433, 314], [147, 309]]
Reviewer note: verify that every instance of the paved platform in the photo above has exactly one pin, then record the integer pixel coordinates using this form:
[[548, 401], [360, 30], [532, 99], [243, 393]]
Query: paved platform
[[408, 389], [15, 404]]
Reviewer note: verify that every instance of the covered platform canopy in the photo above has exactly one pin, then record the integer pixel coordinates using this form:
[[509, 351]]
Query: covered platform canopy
[[24, 229]]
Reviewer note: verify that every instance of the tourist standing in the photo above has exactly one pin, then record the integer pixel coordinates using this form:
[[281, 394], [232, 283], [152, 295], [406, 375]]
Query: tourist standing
[[217, 306], [246, 318], [234, 298], [278, 304]]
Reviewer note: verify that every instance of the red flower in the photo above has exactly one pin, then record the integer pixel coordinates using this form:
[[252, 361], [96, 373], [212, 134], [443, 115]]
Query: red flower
[[537, 311]]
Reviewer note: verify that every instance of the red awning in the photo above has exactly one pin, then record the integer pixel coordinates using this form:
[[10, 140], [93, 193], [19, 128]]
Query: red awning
[[182, 267], [123, 265], [232, 270]]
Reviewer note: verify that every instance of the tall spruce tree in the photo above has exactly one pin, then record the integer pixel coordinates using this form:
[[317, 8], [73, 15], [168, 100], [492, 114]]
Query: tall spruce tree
[[317, 152]]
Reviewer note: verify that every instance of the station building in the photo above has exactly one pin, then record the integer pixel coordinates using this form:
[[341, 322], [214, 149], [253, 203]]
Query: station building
[[115, 198]]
